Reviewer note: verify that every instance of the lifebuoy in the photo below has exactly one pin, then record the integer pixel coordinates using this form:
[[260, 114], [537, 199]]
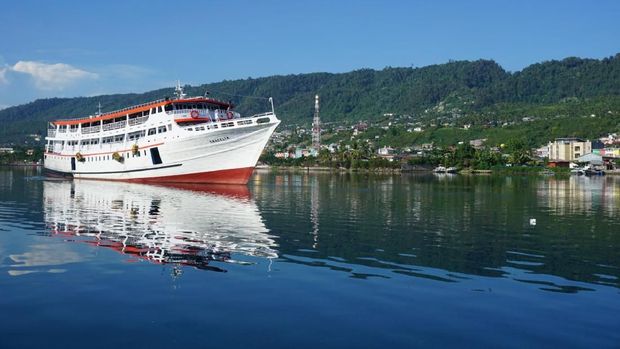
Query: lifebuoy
[[194, 114], [229, 114]]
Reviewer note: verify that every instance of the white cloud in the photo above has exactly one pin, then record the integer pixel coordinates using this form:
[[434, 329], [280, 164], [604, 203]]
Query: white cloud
[[51, 76]]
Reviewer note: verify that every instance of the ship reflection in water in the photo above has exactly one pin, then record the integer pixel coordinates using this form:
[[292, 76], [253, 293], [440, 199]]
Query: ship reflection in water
[[186, 225]]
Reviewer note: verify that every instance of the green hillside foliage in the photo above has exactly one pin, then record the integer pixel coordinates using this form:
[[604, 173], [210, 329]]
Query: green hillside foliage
[[479, 92]]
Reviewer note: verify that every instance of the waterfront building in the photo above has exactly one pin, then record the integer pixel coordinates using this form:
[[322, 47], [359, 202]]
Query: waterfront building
[[568, 149]]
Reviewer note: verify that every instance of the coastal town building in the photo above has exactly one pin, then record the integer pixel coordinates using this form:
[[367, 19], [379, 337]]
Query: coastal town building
[[477, 143], [542, 152], [386, 151], [568, 149], [610, 139]]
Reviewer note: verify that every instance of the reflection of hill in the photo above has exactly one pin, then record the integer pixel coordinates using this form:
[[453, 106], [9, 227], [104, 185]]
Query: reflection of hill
[[190, 226], [438, 229]]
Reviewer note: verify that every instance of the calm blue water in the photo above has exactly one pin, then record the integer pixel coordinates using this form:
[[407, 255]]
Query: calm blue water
[[310, 260]]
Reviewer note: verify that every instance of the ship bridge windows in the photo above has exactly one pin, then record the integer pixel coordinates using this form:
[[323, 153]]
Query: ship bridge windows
[[107, 140], [152, 131], [119, 138], [161, 129], [184, 106]]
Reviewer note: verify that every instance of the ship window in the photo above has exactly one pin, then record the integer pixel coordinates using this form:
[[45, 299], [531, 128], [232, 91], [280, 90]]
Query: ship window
[[152, 131], [159, 109], [168, 107], [153, 111], [161, 129], [190, 129]]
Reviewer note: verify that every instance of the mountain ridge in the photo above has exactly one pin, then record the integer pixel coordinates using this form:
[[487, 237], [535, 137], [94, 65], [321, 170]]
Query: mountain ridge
[[466, 87]]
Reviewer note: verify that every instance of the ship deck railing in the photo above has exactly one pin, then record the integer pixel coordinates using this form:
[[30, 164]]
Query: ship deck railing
[[138, 120], [261, 114], [114, 126], [115, 111], [92, 129]]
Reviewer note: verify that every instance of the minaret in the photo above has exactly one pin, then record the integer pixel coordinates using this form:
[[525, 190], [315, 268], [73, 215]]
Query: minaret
[[316, 126]]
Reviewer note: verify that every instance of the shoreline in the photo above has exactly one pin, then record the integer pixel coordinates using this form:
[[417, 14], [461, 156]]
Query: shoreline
[[324, 169]]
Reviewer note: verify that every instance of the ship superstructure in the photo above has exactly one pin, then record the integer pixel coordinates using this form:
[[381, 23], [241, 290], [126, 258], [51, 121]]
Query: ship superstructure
[[185, 139]]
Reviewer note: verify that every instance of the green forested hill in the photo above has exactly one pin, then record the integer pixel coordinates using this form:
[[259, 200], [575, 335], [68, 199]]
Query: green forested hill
[[478, 91]]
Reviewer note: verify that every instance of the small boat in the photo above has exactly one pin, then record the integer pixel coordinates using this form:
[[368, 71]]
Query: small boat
[[594, 172], [452, 170], [439, 169], [577, 171]]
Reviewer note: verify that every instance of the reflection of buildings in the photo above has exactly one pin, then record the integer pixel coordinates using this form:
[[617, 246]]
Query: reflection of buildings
[[193, 226], [580, 194]]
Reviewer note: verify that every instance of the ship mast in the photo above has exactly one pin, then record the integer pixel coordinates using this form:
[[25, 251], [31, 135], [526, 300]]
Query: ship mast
[[179, 90]]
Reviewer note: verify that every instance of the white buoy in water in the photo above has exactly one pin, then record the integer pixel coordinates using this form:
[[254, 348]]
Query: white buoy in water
[[532, 221]]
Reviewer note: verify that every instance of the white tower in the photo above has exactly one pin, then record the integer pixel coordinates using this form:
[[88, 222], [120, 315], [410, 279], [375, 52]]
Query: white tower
[[316, 126]]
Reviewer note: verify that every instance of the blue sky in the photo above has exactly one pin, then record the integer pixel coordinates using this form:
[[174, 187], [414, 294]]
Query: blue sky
[[85, 48]]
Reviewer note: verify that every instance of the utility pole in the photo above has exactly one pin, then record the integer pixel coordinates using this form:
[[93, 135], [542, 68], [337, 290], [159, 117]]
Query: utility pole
[[316, 126]]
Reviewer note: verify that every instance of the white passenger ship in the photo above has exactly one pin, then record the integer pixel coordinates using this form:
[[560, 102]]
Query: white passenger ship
[[186, 139]]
